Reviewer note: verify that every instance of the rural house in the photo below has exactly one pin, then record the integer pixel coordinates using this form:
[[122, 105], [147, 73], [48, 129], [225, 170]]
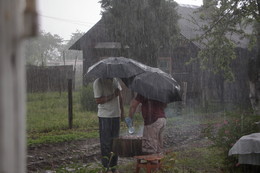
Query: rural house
[[198, 87]]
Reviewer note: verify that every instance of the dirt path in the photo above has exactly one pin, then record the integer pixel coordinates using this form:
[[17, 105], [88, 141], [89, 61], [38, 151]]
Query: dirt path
[[51, 156]]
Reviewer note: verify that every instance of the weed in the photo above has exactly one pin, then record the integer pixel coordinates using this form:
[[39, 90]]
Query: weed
[[225, 134]]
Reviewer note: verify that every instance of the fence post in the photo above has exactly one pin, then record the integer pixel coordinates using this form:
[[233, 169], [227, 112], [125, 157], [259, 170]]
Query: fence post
[[70, 103]]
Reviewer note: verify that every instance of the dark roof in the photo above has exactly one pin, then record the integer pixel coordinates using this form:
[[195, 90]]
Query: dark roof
[[188, 29], [96, 32]]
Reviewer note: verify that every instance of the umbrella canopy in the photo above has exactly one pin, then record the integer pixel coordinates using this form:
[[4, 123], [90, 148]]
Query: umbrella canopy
[[156, 85], [119, 67]]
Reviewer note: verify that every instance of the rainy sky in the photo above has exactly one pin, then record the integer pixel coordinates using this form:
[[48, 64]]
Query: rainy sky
[[63, 17]]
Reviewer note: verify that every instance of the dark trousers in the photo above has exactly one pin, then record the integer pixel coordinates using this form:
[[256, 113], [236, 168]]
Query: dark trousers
[[108, 129]]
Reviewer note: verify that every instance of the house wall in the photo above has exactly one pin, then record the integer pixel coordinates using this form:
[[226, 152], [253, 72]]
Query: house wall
[[206, 88], [187, 74], [238, 91], [198, 86]]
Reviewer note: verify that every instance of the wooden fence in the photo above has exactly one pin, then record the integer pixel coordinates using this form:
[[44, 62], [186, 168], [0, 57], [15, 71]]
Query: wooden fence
[[51, 78]]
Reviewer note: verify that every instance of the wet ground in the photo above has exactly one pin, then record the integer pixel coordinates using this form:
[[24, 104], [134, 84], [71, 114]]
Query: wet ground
[[51, 156]]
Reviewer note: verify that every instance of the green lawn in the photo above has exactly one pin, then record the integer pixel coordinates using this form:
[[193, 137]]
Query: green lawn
[[47, 118]]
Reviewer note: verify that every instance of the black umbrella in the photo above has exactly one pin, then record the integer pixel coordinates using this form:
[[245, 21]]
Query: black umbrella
[[156, 85], [119, 67]]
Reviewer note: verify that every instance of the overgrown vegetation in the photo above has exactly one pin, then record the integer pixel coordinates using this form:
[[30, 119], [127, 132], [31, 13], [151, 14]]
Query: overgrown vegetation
[[87, 99], [224, 135], [49, 112], [47, 118], [219, 21]]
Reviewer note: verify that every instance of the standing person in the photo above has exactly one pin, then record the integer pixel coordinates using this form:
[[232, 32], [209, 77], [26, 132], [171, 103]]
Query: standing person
[[110, 108], [154, 123]]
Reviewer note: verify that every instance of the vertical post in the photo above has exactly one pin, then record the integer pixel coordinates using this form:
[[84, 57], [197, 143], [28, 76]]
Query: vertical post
[[18, 20], [70, 102], [63, 57], [184, 96], [60, 85]]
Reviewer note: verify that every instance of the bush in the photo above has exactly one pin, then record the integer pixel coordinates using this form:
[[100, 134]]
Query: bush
[[225, 134], [87, 99]]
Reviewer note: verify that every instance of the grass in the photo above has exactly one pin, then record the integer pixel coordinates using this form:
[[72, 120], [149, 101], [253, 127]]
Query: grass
[[49, 111], [47, 122], [59, 136], [47, 119], [201, 159]]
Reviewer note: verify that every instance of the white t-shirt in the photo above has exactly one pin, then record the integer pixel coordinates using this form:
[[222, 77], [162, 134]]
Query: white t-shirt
[[106, 87]]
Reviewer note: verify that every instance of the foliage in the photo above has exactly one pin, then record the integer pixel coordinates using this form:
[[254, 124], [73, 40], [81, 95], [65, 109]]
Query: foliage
[[87, 98], [46, 47], [73, 54], [135, 25], [74, 37], [221, 19], [221, 48], [59, 136], [225, 134]]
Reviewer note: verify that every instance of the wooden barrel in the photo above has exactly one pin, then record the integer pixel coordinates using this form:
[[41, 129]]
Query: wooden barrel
[[127, 146]]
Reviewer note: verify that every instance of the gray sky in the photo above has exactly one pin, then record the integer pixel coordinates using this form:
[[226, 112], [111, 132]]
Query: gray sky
[[63, 17]]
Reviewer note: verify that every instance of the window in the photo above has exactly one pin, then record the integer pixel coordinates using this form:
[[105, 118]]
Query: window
[[165, 64]]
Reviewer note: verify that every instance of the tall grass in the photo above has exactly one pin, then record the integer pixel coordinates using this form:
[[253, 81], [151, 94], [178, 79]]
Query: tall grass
[[49, 111], [47, 114]]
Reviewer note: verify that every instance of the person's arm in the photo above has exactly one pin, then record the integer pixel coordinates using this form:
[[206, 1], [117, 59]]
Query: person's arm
[[104, 99], [133, 106]]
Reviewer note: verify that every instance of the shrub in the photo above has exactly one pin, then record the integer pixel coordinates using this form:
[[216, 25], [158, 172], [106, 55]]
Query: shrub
[[225, 134], [87, 99]]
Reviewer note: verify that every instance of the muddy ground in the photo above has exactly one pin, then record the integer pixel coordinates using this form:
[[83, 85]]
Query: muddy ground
[[47, 157]]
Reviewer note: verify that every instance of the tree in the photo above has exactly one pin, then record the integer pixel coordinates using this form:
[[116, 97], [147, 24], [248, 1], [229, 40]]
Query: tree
[[145, 26], [224, 18], [71, 54], [46, 47]]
